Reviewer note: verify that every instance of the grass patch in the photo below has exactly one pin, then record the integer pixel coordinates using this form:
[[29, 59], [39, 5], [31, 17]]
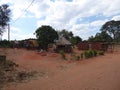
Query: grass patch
[[9, 72]]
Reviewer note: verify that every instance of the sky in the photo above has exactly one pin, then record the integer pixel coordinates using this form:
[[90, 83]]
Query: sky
[[83, 17]]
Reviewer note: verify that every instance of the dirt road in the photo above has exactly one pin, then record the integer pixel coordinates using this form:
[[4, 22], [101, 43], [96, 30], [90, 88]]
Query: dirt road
[[100, 73]]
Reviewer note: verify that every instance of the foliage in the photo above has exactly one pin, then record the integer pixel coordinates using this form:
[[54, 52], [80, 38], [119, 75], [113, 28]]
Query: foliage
[[88, 54], [75, 57], [63, 54], [113, 29], [82, 55], [92, 53], [72, 55], [68, 35], [45, 35], [110, 31], [4, 17], [91, 38], [6, 43], [9, 73], [101, 52], [103, 36], [75, 40]]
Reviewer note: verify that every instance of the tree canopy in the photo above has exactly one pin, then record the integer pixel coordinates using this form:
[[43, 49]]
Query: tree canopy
[[46, 35], [65, 34], [69, 36], [103, 36], [75, 40], [113, 29], [4, 17]]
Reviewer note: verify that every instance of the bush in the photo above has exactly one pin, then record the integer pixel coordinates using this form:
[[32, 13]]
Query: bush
[[90, 53], [62, 54], [101, 52], [86, 54], [94, 53], [82, 55], [6, 44], [77, 58]]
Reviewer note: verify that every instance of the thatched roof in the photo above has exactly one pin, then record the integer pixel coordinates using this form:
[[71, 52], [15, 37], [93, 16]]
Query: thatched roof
[[62, 41]]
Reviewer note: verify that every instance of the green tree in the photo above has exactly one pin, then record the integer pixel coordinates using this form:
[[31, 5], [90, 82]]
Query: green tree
[[117, 37], [75, 40], [4, 17], [68, 35], [91, 38], [46, 35], [112, 28], [103, 36]]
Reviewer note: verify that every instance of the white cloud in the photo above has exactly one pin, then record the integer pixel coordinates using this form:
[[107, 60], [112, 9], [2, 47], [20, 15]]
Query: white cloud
[[18, 36], [98, 23], [112, 8], [61, 14], [16, 33], [116, 17]]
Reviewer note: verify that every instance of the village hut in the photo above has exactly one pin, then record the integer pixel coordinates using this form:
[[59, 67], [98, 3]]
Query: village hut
[[63, 44], [31, 44]]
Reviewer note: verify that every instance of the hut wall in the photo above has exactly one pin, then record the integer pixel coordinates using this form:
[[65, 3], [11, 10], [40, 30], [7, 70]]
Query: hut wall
[[83, 46], [96, 46], [65, 48], [92, 45]]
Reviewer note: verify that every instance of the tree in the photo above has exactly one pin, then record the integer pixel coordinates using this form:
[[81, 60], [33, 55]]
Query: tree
[[91, 38], [4, 17], [103, 36], [75, 40], [66, 34], [112, 28], [45, 35]]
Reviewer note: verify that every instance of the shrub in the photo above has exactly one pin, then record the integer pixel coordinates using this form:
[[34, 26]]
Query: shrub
[[62, 54], [82, 55], [77, 58], [101, 52], [94, 53], [90, 53], [86, 54]]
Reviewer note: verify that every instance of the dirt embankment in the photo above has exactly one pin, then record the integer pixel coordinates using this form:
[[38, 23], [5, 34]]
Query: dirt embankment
[[99, 73]]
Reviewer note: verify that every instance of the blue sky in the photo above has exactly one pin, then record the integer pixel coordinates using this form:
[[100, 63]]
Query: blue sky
[[83, 17]]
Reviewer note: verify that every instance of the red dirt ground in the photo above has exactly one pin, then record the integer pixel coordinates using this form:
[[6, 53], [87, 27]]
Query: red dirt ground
[[99, 73]]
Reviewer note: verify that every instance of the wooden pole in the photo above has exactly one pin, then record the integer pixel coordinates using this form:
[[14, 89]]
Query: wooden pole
[[8, 32]]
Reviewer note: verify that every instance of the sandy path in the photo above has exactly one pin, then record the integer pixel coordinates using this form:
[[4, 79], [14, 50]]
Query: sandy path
[[101, 73]]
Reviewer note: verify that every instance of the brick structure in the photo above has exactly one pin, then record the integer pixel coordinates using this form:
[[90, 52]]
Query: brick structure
[[83, 46], [93, 46]]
